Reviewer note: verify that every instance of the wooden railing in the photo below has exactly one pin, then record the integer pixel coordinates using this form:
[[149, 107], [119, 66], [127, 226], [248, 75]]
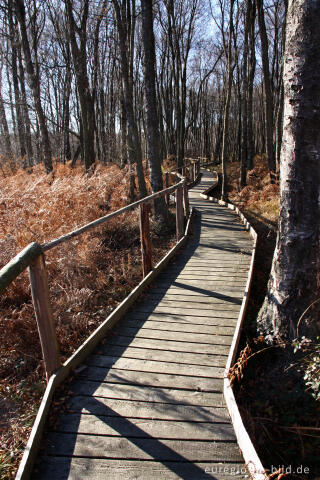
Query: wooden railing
[[33, 258]]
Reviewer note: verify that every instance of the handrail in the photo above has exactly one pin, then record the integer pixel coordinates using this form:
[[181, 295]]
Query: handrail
[[53, 243], [32, 257], [23, 259], [18, 264]]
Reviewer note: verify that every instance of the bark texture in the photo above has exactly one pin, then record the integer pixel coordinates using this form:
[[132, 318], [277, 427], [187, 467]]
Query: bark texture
[[79, 58], [294, 280], [34, 83], [125, 20], [153, 133], [227, 107], [268, 97]]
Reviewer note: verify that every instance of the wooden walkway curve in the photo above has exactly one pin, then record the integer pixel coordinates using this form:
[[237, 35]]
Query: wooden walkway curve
[[148, 403]]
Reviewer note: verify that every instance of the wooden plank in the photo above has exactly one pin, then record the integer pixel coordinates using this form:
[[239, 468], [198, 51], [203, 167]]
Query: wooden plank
[[223, 312], [43, 313], [146, 402], [226, 278], [58, 468], [218, 266], [209, 339], [169, 345], [213, 319], [207, 273], [143, 428], [189, 304], [221, 270], [91, 446], [231, 283], [154, 295], [193, 292], [115, 375], [176, 327], [145, 239], [229, 259], [156, 355], [216, 291], [232, 297], [196, 287], [214, 281], [143, 365], [232, 266]]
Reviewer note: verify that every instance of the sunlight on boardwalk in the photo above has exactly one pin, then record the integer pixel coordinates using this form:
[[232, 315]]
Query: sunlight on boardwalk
[[149, 403]]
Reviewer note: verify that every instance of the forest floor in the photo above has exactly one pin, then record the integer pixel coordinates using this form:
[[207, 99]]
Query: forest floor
[[279, 409], [88, 277]]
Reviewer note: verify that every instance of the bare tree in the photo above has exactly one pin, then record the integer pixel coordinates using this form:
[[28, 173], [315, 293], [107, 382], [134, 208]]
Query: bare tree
[[125, 20], [244, 106], [78, 40], [231, 66], [34, 83], [268, 97], [4, 124], [251, 74], [153, 134], [294, 281]]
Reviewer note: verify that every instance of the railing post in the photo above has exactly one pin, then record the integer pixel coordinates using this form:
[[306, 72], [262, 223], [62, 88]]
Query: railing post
[[145, 239], [166, 184], [43, 312], [186, 199], [179, 213], [195, 166]]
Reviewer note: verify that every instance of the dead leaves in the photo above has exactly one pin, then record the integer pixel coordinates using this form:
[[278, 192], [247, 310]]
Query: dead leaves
[[236, 372]]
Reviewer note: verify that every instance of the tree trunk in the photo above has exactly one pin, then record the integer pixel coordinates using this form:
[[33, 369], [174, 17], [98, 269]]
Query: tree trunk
[[79, 58], [279, 119], [125, 27], [294, 280], [25, 111], [4, 126], [251, 72], [244, 139], [34, 83], [15, 80], [268, 97], [123, 128], [227, 106], [66, 149], [153, 134]]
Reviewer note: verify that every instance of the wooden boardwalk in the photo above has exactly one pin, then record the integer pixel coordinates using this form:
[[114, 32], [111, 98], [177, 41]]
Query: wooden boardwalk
[[148, 404]]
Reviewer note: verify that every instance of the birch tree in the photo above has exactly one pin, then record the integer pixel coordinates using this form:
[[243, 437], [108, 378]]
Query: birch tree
[[294, 281]]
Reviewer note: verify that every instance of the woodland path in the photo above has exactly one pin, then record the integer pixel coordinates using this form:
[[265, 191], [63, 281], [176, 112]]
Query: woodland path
[[148, 404]]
